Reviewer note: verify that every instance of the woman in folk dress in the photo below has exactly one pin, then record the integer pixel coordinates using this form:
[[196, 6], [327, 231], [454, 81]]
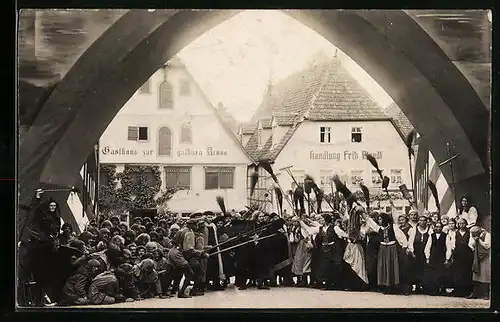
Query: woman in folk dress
[[404, 258], [461, 257], [317, 256], [355, 275], [333, 252], [371, 251], [301, 265], [417, 240], [388, 256], [435, 254]]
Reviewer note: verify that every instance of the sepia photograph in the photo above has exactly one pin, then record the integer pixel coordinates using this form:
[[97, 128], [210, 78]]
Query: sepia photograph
[[253, 159]]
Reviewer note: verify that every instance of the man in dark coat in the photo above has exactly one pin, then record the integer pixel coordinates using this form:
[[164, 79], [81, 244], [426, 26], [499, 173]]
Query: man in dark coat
[[242, 254], [37, 248], [214, 271]]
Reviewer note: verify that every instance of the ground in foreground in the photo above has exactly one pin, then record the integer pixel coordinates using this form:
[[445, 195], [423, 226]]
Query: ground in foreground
[[288, 298]]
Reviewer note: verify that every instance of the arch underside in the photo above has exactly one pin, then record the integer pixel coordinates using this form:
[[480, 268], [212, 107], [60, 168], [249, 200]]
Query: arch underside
[[414, 71]]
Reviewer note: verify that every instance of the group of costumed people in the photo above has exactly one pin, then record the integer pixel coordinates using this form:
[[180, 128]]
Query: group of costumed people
[[348, 248]]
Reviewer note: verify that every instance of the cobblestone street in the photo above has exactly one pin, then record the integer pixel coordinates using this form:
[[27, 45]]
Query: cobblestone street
[[302, 298]]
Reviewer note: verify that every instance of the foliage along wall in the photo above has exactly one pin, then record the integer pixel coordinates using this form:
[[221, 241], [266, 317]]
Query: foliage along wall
[[140, 186]]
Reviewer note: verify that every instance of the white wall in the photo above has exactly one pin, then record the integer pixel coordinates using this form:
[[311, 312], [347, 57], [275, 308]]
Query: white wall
[[197, 198], [379, 138], [211, 144]]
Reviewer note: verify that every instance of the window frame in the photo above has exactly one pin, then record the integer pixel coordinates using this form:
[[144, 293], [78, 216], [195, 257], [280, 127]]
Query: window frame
[[397, 176], [160, 91], [219, 168], [171, 142], [181, 136], [376, 176], [356, 130], [351, 176], [323, 135], [178, 167], [138, 127]]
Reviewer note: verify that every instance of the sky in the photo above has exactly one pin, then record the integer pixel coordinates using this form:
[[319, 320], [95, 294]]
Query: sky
[[235, 61]]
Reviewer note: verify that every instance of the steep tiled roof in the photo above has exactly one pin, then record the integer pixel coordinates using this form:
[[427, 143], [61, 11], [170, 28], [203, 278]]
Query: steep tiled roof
[[324, 92], [400, 120], [273, 152], [266, 122], [253, 144], [249, 128], [342, 98], [261, 153]]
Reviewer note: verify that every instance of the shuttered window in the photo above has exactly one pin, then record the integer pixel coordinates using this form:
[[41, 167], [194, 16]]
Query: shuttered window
[[164, 141], [179, 177], [219, 178], [186, 134], [166, 93], [137, 133]]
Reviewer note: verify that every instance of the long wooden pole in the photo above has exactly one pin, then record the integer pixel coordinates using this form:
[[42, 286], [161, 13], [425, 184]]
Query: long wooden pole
[[452, 176]]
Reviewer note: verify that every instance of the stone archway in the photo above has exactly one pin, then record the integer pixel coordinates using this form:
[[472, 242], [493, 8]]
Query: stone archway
[[433, 94]]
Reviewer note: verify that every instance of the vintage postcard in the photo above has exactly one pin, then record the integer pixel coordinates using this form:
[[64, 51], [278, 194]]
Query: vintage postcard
[[254, 159]]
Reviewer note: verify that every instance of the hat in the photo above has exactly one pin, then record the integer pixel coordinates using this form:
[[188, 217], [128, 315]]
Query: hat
[[196, 214], [93, 263], [151, 246], [219, 219], [86, 235], [104, 231]]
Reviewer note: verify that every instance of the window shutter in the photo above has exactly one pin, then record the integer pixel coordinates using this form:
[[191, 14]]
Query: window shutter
[[133, 133], [166, 95], [164, 141]]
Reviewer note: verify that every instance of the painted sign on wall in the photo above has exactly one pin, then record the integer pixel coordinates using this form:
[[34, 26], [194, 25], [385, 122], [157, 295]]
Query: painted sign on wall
[[344, 155]]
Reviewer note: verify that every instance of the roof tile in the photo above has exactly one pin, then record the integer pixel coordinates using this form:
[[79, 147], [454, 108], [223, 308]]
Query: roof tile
[[323, 92]]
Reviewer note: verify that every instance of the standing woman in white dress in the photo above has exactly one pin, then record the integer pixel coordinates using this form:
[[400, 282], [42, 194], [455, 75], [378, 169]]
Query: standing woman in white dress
[[467, 211]]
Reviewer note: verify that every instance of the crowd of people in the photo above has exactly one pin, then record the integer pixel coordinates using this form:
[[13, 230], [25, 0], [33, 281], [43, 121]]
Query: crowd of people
[[355, 250]]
